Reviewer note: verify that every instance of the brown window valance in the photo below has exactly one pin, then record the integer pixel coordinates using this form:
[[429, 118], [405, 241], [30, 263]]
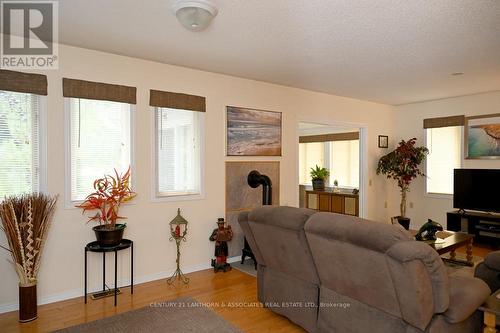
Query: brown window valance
[[98, 90], [23, 82], [329, 137], [444, 122], [165, 99]]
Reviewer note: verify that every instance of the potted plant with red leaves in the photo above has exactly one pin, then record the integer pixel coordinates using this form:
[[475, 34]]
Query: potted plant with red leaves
[[403, 165], [110, 193]]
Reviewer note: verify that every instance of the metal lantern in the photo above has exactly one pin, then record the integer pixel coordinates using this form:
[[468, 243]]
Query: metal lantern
[[178, 231], [178, 226]]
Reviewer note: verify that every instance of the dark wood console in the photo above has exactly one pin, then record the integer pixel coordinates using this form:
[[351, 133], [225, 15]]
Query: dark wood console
[[485, 226]]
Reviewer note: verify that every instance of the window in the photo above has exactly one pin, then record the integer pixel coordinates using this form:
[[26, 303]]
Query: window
[[19, 143], [178, 152], [445, 150], [340, 157], [310, 155], [100, 141], [344, 163]]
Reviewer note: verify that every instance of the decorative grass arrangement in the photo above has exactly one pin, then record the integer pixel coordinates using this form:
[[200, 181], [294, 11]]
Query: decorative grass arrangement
[[26, 220]]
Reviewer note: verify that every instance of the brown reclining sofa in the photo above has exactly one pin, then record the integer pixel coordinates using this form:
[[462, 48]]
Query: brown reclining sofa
[[365, 276]]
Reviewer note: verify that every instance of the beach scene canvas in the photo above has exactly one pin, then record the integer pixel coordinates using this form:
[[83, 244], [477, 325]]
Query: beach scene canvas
[[483, 137], [253, 132]]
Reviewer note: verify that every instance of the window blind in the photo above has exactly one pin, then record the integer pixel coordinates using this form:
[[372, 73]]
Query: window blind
[[100, 142], [329, 137], [310, 155], [19, 143], [344, 163], [100, 91], [23, 82], [444, 122], [445, 155], [171, 100], [340, 157], [178, 152]]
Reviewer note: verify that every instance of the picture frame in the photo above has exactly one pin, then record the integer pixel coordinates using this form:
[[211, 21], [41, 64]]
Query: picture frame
[[253, 132], [482, 137], [383, 141]]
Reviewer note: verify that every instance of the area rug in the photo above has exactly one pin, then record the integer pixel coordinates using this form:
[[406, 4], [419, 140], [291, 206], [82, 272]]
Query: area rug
[[247, 267], [460, 269], [183, 315]]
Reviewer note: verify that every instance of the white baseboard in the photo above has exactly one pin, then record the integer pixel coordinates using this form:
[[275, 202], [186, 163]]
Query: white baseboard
[[8, 307]]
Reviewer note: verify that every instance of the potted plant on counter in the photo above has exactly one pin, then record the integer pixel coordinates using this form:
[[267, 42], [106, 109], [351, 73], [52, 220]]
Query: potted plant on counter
[[318, 176], [402, 165], [110, 193]]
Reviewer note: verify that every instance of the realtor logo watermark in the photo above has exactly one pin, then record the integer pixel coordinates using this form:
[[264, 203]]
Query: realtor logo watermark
[[29, 35]]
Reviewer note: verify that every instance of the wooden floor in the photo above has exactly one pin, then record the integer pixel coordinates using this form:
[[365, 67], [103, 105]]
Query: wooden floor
[[478, 250], [205, 286]]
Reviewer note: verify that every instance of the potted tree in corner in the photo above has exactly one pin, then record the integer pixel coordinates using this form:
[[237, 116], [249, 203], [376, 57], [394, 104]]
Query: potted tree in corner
[[402, 165], [318, 176], [110, 193]]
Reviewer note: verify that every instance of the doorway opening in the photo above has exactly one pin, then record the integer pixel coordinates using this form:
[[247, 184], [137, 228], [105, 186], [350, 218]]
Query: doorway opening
[[339, 148]]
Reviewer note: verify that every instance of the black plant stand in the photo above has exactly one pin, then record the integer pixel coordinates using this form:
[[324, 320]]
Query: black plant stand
[[95, 247]]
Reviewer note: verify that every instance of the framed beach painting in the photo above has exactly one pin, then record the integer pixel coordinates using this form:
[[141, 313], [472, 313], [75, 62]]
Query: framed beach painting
[[482, 137], [253, 132]]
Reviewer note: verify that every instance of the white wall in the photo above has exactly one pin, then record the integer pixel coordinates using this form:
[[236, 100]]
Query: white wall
[[409, 123], [61, 274]]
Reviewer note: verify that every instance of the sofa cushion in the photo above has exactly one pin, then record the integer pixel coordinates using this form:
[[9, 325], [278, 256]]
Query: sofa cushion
[[437, 274], [349, 254], [243, 221], [364, 233], [439, 324], [291, 297], [492, 260], [279, 235], [466, 295], [340, 313], [284, 217], [413, 291]]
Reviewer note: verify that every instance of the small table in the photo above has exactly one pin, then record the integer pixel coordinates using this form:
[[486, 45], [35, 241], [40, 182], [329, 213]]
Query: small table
[[451, 243], [491, 309], [95, 247]]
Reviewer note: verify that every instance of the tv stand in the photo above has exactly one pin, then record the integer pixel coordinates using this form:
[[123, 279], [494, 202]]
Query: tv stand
[[484, 226]]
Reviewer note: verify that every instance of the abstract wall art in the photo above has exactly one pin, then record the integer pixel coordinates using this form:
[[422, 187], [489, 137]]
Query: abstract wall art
[[482, 137]]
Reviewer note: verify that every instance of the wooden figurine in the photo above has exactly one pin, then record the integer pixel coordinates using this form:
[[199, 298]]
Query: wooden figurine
[[221, 236]]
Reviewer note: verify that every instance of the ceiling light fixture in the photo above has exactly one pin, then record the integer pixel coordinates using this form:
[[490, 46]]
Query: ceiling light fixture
[[195, 15]]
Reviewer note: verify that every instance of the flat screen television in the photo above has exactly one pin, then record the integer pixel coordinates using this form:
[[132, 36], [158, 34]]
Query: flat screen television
[[477, 189]]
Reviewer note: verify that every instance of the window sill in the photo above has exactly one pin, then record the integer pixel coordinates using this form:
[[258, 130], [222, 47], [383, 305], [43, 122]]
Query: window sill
[[178, 197], [72, 204], [439, 195]]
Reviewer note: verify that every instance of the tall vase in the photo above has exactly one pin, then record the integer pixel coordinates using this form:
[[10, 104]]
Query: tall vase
[[27, 302]]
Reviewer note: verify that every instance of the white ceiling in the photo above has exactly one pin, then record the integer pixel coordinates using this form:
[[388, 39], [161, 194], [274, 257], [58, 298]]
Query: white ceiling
[[389, 51]]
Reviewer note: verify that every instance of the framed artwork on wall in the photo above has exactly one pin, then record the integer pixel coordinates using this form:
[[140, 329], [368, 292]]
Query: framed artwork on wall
[[482, 137], [383, 141], [251, 132]]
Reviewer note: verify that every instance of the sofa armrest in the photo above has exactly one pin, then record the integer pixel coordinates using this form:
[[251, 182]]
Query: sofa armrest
[[466, 295], [492, 260], [488, 275]]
